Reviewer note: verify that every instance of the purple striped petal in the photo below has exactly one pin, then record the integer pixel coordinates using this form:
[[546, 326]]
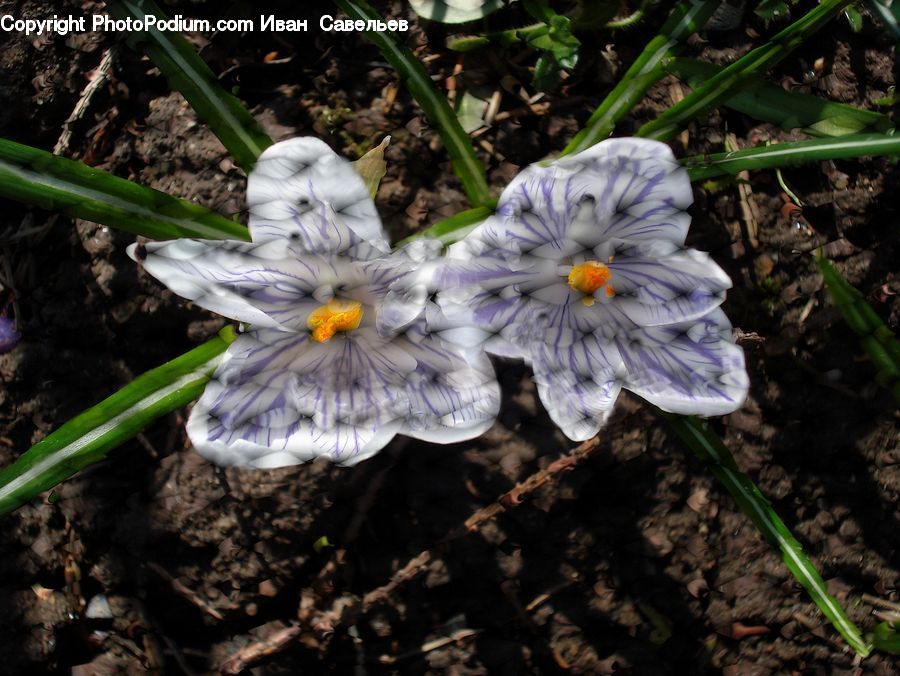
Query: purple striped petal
[[578, 384], [681, 286], [303, 192], [453, 393], [9, 337], [280, 398], [261, 284], [283, 398], [689, 368], [622, 190]]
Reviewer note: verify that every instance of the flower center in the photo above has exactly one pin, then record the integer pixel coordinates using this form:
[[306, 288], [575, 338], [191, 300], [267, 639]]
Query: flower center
[[589, 276], [336, 315]]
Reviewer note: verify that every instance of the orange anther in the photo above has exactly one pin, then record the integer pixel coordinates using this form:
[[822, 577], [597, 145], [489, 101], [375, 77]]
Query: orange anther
[[335, 315], [589, 276]]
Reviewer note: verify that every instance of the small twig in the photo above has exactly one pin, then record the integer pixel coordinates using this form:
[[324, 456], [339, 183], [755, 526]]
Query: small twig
[[749, 212], [430, 646], [99, 77], [880, 602], [182, 590], [330, 620], [260, 650], [512, 498], [177, 653]]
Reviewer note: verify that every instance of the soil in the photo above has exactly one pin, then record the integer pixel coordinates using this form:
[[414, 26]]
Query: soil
[[636, 562]]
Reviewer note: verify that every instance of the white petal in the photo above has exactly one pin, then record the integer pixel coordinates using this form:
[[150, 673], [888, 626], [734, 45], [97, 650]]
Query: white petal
[[688, 368], [233, 280], [453, 393], [578, 385], [302, 191], [679, 287]]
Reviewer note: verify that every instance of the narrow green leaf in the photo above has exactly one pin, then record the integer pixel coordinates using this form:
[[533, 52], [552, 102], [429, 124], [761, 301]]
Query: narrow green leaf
[[886, 638], [772, 9], [454, 228], [729, 80], [854, 18], [189, 74], [702, 167], [467, 166], [88, 437], [789, 110], [888, 13], [687, 17], [710, 449], [54, 183], [877, 339]]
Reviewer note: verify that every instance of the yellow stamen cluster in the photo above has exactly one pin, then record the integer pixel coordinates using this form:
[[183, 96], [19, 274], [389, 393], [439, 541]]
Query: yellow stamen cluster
[[589, 276], [335, 315]]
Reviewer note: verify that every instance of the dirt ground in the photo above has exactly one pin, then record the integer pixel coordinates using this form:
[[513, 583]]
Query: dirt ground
[[636, 562]]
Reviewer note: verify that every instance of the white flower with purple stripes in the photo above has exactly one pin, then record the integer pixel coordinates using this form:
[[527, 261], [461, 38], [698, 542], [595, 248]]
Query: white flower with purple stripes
[[338, 358], [583, 273]]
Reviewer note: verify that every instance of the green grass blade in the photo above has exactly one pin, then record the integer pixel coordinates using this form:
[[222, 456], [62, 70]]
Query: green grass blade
[[466, 165], [709, 448], [886, 638], [877, 339], [88, 437], [454, 228], [764, 101], [54, 183], [189, 74], [888, 14], [702, 167], [685, 19], [729, 80]]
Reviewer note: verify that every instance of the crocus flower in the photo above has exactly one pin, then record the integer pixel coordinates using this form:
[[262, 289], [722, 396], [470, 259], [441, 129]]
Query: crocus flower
[[583, 273], [9, 337], [338, 358]]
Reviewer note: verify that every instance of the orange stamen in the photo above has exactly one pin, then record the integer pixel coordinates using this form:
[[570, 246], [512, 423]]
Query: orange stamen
[[335, 315], [588, 277]]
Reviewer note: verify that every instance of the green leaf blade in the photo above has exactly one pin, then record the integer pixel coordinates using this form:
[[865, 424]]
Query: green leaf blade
[[710, 449], [876, 338], [55, 183], [187, 73], [466, 165], [702, 167], [733, 78], [789, 110], [686, 19], [88, 437]]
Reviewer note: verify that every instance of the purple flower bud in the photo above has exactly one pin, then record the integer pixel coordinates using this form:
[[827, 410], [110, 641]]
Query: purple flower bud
[[9, 337]]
